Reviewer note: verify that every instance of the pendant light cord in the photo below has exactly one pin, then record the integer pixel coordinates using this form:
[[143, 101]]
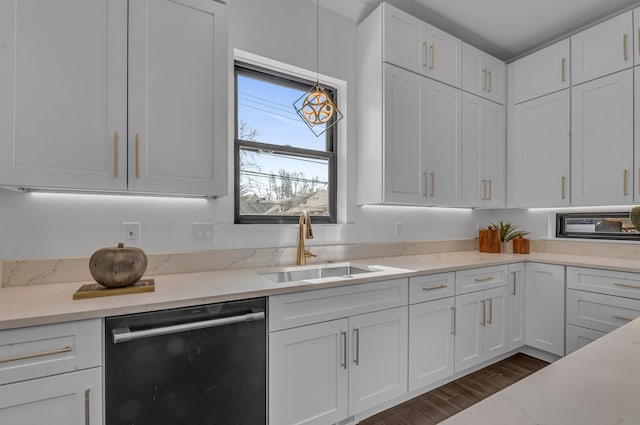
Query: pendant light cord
[[318, 42]]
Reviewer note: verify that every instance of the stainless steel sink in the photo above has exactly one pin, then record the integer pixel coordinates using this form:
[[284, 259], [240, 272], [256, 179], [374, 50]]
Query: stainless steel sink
[[318, 273]]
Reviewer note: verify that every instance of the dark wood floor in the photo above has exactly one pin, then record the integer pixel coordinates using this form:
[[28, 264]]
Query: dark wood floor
[[445, 401]]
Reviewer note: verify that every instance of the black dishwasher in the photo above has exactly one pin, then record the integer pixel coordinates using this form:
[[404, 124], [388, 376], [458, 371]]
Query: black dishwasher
[[203, 365]]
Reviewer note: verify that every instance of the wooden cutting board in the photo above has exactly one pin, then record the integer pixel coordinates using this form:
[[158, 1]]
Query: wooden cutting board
[[95, 290]]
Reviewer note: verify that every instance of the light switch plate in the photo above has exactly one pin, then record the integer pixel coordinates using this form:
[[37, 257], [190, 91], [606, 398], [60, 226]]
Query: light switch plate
[[202, 232]]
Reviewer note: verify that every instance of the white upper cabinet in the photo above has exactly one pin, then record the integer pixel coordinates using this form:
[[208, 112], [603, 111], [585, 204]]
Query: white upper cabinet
[[636, 117], [483, 152], [114, 95], [603, 49], [444, 144], [178, 97], [63, 94], [444, 56], [411, 43], [542, 72], [602, 141], [539, 160], [483, 75], [405, 136]]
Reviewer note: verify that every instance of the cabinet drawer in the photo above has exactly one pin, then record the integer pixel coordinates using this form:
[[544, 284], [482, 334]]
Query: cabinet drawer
[[303, 308], [602, 313], [38, 351], [604, 281], [578, 337], [431, 287], [480, 279]]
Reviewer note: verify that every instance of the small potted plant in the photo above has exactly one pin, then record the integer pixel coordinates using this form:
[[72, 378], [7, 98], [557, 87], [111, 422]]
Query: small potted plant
[[508, 232]]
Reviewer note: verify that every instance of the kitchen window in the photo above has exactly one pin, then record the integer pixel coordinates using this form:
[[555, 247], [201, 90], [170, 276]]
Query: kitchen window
[[596, 225], [281, 167]]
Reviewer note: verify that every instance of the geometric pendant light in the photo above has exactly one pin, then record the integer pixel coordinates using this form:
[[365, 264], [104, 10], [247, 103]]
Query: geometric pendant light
[[315, 107]]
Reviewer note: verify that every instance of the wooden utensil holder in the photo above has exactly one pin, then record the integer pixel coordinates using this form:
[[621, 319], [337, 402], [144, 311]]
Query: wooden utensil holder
[[489, 241]]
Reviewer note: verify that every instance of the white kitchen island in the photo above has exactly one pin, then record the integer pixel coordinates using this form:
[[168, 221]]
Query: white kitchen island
[[596, 385]]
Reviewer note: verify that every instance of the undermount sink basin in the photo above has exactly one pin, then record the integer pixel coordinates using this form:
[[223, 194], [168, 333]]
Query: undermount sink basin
[[318, 273]]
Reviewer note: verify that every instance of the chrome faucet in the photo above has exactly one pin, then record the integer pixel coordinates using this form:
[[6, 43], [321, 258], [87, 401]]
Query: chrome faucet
[[304, 232]]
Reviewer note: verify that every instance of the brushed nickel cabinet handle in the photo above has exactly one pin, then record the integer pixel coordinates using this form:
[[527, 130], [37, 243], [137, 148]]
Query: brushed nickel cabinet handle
[[116, 141], [484, 190], [35, 355], [433, 56], [424, 54], [434, 288], [624, 186], [87, 407], [514, 283], [137, 155], [454, 324], [484, 313], [483, 279], [433, 183], [344, 349], [627, 285], [356, 360], [562, 187], [628, 319], [564, 75], [624, 45], [484, 79], [638, 40]]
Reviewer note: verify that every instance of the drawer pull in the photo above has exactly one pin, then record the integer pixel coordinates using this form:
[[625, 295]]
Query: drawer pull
[[484, 279], [628, 319], [35, 355], [626, 285], [434, 288]]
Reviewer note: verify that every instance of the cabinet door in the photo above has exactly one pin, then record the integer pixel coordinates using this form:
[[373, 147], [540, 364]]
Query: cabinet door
[[636, 100], [495, 328], [602, 49], [444, 144], [542, 72], [444, 57], [404, 40], [378, 368], [541, 147], [600, 312], [178, 97], [516, 303], [482, 74], [468, 327], [405, 136], [63, 94], [66, 399], [636, 26], [431, 339], [602, 141], [578, 337], [483, 152], [545, 305], [308, 374]]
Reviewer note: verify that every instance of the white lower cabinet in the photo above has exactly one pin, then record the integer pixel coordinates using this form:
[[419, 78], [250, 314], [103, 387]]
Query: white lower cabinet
[[480, 327], [545, 297], [578, 337], [67, 399], [323, 373], [431, 342], [516, 306]]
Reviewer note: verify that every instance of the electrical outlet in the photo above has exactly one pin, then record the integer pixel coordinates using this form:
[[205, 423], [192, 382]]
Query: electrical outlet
[[202, 232], [398, 230], [131, 233]]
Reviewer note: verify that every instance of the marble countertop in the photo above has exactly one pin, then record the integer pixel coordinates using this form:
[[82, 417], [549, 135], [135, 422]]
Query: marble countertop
[[596, 385], [52, 303]]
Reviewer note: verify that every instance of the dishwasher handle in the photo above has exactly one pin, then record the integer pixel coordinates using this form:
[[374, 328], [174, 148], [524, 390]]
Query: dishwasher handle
[[126, 334]]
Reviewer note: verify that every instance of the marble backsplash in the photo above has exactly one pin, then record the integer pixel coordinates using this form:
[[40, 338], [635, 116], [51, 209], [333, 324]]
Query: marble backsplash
[[56, 270], [43, 271]]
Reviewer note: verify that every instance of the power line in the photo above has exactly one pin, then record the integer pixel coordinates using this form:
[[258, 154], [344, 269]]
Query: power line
[[289, 178]]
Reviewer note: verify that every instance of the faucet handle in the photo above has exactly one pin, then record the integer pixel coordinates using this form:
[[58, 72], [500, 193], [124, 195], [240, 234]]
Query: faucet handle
[[308, 253]]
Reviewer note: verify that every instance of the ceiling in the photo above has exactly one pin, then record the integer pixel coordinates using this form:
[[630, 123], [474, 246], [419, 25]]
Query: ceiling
[[504, 28]]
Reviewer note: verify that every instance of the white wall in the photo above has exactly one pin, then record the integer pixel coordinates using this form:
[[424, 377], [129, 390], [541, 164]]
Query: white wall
[[34, 226]]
